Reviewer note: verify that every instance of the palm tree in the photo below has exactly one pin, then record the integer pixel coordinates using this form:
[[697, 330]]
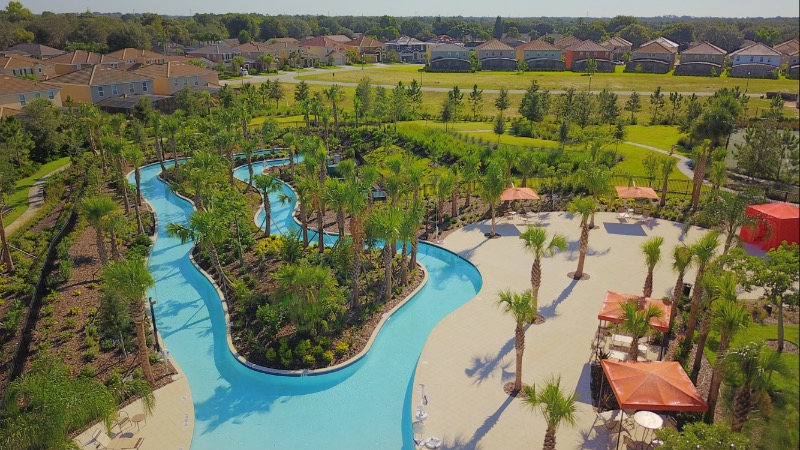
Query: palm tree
[[596, 178], [666, 166], [355, 204], [636, 322], [682, 258], [97, 209], [527, 165], [494, 183], [409, 225], [115, 149], [266, 185], [719, 287], [136, 157], [470, 172], [652, 256], [248, 147], [171, 126], [519, 306], [444, 188], [206, 228], [303, 186], [384, 224], [727, 213], [703, 252], [129, 279], [755, 367], [336, 198], [535, 242], [556, 407], [584, 207], [701, 153], [728, 318]]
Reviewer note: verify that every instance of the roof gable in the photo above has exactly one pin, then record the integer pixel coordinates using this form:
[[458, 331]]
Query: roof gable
[[365, 41], [38, 50], [757, 49], [788, 47], [215, 49], [704, 48], [98, 75], [653, 47], [448, 48], [567, 41], [405, 40], [14, 85], [133, 53], [84, 57], [173, 69], [13, 60], [494, 44], [538, 45], [587, 46]]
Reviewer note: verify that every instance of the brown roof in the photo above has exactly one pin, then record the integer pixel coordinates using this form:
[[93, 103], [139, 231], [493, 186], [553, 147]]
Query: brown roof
[[5, 111], [98, 75], [340, 38], [322, 41], [587, 46], [283, 39], [12, 61], [133, 53], [443, 39], [494, 44], [250, 47], [757, 49], [173, 69], [704, 48], [788, 47], [216, 49], [84, 57], [365, 41], [616, 41], [567, 41], [14, 85], [538, 44], [653, 47], [40, 50], [663, 41]]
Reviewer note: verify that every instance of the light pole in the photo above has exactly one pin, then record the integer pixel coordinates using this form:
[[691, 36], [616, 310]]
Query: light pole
[[590, 83], [155, 328], [747, 84]]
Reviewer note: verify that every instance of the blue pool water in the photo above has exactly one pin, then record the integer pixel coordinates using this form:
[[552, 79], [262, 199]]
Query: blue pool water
[[365, 405]]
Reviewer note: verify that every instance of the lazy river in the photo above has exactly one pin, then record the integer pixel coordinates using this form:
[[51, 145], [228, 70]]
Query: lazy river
[[364, 405]]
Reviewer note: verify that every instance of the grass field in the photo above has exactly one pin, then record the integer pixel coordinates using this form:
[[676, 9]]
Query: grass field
[[556, 80], [19, 199], [658, 136]]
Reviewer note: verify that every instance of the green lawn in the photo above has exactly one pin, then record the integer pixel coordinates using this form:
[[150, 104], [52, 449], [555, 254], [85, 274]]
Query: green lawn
[[659, 136], [19, 199], [556, 80], [775, 427]]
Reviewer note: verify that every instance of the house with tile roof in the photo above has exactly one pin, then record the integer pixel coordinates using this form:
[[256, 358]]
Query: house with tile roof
[[443, 39], [18, 65], [617, 46], [703, 59], [323, 50], [173, 76], [218, 53], [755, 61], [16, 93], [251, 51], [340, 38], [284, 50], [133, 56], [793, 70], [408, 49], [786, 49], [496, 55], [370, 50], [541, 55], [80, 59], [651, 58], [665, 42], [37, 51], [577, 56], [566, 41], [448, 58], [95, 83]]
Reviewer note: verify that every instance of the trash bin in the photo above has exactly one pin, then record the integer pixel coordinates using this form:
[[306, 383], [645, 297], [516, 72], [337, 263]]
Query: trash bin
[[687, 289], [768, 308]]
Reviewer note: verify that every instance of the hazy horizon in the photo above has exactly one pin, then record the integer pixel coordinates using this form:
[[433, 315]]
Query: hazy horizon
[[410, 8]]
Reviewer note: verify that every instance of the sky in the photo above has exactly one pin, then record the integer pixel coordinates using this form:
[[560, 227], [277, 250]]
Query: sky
[[507, 8]]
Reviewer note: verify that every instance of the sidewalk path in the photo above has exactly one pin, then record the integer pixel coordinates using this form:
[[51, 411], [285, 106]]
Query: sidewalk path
[[35, 201]]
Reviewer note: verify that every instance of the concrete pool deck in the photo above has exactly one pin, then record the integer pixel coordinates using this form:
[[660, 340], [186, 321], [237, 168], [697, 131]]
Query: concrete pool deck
[[470, 355]]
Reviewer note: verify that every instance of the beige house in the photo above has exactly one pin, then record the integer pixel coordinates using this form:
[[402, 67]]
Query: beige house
[[172, 77], [448, 58], [323, 50], [16, 93], [251, 51], [617, 46], [80, 59], [370, 50], [18, 65], [133, 56], [283, 51], [496, 55], [541, 55], [98, 82], [219, 53], [704, 58], [786, 49], [654, 57]]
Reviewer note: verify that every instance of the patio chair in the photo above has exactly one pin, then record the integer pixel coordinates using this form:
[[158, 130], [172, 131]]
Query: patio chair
[[609, 421], [122, 419], [646, 216], [622, 213], [119, 443], [637, 212]]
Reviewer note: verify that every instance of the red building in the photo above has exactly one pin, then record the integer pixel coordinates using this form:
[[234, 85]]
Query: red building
[[583, 51]]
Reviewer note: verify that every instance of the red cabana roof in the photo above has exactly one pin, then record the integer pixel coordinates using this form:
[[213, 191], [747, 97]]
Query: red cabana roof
[[612, 312], [521, 193], [636, 192], [778, 210], [779, 222], [652, 386]]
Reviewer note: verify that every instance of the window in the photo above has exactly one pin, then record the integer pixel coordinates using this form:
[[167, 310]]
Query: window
[[196, 81], [22, 100], [100, 91], [114, 90], [144, 86], [762, 59], [37, 95], [39, 69], [713, 57], [185, 81], [51, 95], [751, 59], [130, 88], [174, 81]]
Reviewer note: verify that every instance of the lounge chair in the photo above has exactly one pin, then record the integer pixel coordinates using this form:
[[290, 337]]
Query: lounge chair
[[637, 212], [122, 419], [622, 213], [646, 216], [119, 443]]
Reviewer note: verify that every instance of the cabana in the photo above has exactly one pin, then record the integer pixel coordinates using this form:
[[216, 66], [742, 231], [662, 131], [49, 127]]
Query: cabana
[[778, 222], [625, 192], [611, 311], [515, 193]]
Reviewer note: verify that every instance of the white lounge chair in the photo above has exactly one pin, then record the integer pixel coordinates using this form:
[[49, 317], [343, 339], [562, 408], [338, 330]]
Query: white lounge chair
[[119, 443]]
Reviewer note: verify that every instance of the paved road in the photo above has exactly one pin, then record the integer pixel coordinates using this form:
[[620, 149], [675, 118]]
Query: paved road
[[35, 202]]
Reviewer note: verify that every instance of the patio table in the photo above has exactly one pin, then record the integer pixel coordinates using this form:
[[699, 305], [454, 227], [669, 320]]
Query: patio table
[[650, 421]]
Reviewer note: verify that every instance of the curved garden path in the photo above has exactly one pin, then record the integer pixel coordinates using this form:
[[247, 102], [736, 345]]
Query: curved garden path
[[35, 201]]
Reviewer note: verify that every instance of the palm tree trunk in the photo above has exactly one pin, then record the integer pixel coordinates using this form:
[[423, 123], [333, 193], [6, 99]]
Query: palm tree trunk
[[160, 153], [582, 255], [412, 263], [633, 351], [320, 231], [519, 346], [141, 343], [549, 439], [676, 297], [304, 224], [5, 251], [403, 265], [664, 188], [648, 283], [101, 245], [267, 215], [491, 207], [743, 404], [250, 171], [355, 270], [454, 205], [780, 325], [218, 265], [705, 325], [232, 180], [112, 236], [387, 267], [536, 281], [698, 291], [123, 185], [716, 378], [138, 203], [699, 174], [340, 222], [174, 143], [468, 200]]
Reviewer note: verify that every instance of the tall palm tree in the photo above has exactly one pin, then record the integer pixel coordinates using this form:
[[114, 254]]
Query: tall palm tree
[[248, 147], [596, 178], [97, 209], [701, 153], [652, 256], [666, 165], [728, 318], [494, 183], [727, 213], [718, 287], [267, 184], [682, 258], [518, 305], [384, 224], [355, 204], [171, 126], [414, 175], [554, 405], [303, 186], [583, 207], [755, 366], [336, 198], [703, 251], [290, 139], [470, 172], [136, 157], [444, 188], [636, 322], [409, 226], [207, 229], [535, 242], [129, 279], [454, 171], [116, 150]]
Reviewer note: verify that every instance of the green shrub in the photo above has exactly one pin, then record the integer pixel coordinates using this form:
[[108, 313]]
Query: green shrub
[[71, 323], [327, 357], [153, 357], [74, 311], [114, 378], [302, 349], [271, 318], [91, 353], [309, 360], [88, 371], [342, 348], [271, 355]]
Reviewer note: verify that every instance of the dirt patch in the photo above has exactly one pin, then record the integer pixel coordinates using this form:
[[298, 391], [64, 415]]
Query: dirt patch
[[508, 388], [790, 348]]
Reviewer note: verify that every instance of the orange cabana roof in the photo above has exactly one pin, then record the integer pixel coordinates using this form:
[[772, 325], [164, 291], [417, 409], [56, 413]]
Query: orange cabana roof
[[652, 386], [515, 193], [612, 312], [636, 192]]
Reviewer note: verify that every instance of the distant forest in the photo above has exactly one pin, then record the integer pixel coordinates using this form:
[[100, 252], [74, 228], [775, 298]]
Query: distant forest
[[109, 32]]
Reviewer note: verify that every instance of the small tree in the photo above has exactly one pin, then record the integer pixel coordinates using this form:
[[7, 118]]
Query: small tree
[[636, 322], [753, 365], [476, 100], [633, 104], [499, 127], [502, 102], [583, 207], [657, 102], [535, 242], [494, 183], [652, 256], [518, 305], [701, 435], [554, 405]]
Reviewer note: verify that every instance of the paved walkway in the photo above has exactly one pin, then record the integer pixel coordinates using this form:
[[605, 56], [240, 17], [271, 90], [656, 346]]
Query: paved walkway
[[35, 202], [470, 355], [169, 428]]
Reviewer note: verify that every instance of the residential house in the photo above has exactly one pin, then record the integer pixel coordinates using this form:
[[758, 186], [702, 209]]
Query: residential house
[[167, 104], [218, 53], [95, 83], [566, 41], [704, 59], [617, 46], [370, 50], [755, 61], [541, 55], [665, 42], [16, 93], [80, 59], [496, 55], [448, 58], [287, 52], [651, 58], [515, 41], [577, 56], [251, 51], [37, 51], [19, 65], [443, 39], [786, 49], [322, 50], [230, 42], [133, 56], [173, 76], [340, 38], [794, 65], [407, 49]]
